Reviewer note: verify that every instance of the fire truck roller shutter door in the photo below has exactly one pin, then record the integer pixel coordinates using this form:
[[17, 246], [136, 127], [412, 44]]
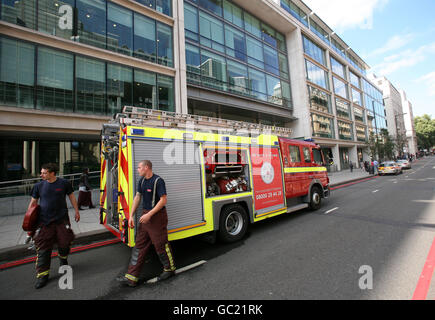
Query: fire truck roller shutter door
[[182, 177]]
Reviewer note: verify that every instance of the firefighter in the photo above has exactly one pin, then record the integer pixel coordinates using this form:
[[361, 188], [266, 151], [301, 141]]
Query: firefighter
[[152, 227], [53, 223]]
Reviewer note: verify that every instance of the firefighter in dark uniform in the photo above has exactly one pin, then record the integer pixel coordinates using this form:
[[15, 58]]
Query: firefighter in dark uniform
[[53, 223], [152, 227]]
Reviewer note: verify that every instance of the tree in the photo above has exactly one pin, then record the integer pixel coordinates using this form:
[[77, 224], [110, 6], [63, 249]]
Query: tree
[[425, 130]]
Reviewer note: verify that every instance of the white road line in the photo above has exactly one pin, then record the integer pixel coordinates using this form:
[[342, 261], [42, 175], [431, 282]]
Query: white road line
[[191, 266], [374, 191], [329, 211]]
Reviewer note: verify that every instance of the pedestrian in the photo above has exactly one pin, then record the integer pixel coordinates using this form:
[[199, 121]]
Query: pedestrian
[[375, 165], [152, 228], [85, 191], [53, 223], [366, 165], [351, 166], [372, 167]]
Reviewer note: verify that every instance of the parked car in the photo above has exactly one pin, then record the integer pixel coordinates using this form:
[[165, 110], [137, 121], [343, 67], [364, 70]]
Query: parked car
[[405, 164], [389, 167]]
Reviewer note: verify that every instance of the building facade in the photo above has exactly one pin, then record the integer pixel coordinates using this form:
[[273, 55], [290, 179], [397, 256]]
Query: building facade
[[66, 67], [394, 112], [408, 115]]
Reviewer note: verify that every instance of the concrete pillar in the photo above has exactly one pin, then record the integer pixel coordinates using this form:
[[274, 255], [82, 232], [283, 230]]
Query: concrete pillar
[[353, 156], [35, 158], [296, 61], [180, 58], [26, 156], [336, 155]]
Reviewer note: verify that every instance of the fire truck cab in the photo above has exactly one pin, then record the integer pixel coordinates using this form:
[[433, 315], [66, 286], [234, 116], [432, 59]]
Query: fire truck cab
[[220, 175]]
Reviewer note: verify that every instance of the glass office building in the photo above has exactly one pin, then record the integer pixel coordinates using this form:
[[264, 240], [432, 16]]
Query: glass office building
[[67, 67]]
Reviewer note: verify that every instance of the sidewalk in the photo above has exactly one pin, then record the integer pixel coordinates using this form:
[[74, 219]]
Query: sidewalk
[[12, 236]]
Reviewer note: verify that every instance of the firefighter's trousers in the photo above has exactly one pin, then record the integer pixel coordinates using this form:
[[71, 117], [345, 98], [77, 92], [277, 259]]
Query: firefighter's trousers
[[45, 238], [154, 232]]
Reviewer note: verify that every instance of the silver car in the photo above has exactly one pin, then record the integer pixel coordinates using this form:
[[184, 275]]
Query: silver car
[[405, 164]]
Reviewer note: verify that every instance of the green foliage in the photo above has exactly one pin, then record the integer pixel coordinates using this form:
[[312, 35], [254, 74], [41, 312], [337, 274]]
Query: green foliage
[[425, 131]]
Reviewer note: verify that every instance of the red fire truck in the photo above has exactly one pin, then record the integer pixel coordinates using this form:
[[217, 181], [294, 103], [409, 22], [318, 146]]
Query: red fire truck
[[220, 175]]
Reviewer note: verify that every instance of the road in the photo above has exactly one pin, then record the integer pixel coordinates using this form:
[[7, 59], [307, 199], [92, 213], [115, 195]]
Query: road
[[383, 227]]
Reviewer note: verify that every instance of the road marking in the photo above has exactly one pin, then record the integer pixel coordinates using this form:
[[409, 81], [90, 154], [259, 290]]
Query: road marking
[[329, 211], [190, 266], [374, 191], [423, 284], [424, 201]]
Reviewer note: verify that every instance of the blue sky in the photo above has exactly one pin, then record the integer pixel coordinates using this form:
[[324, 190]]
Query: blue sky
[[396, 38]]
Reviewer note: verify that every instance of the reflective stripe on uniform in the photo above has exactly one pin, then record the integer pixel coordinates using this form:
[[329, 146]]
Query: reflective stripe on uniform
[[39, 275], [171, 260], [132, 278]]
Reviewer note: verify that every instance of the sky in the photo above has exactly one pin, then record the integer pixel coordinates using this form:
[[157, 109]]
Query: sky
[[396, 38]]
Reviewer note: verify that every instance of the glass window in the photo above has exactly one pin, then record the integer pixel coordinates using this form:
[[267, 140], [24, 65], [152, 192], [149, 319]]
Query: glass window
[[164, 45], [144, 38], [55, 80], [214, 6], [307, 155], [283, 66], [295, 11], [345, 130], [237, 77], [359, 114], [271, 61], [313, 50], [90, 85], [354, 79], [340, 88], [119, 87], [274, 90], [322, 126], [164, 6], [317, 156], [119, 29], [213, 70], [56, 19], [342, 108], [281, 41], [191, 22], [255, 52], [295, 154], [233, 14], [148, 3], [92, 22], [360, 133], [338, 68], [211, 31], [286, 94], [252, 25], [235, 43], [356, 97], [16, 73], [319, 100], [317, 75], [165, 86], [144, 90], [257, 81], [193, 64], [268, 35], [22, 13]]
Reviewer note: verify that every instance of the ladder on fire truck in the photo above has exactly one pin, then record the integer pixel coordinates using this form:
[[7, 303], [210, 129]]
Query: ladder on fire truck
[[158, 118]]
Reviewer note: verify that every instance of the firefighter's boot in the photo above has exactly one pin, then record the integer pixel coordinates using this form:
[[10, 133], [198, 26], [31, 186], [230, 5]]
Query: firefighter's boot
[[41, 282], [63, 255], [167, 261]]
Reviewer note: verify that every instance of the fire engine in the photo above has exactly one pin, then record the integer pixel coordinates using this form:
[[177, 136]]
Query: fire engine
[[221, 175]]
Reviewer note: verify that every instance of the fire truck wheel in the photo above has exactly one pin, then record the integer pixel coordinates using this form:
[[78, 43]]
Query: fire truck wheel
[[233, 223], [316, 198]]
